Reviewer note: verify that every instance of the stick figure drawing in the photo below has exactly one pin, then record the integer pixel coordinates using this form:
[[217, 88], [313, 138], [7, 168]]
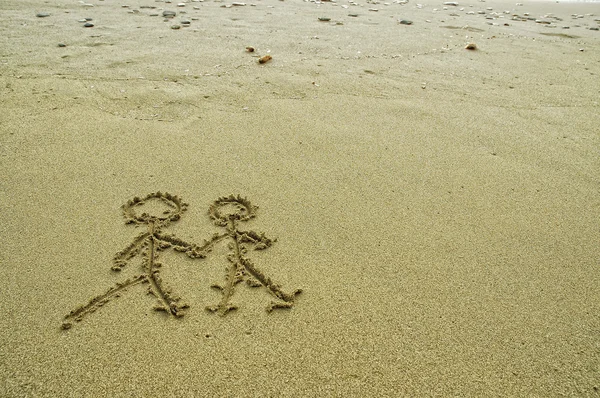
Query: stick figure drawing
[[225, 212], [228, 212], [148, 244]]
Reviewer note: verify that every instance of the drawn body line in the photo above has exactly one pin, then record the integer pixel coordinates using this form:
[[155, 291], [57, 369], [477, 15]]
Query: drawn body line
[[148, 244]]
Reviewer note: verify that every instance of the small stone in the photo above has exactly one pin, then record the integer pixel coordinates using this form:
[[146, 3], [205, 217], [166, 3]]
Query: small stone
[[175, 27], [451, 3], [169, 14], [353, 15], [42, 14], [324, 19], [88, 25], [62, 45], [471, 46], [594, 28], [264, 59], [180, 4], [405, 22]]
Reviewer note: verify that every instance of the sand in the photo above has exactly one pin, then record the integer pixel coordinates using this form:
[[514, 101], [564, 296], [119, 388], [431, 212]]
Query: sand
[[438, 207]]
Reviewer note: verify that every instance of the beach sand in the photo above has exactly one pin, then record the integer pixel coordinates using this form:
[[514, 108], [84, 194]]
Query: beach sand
[[438, 207]]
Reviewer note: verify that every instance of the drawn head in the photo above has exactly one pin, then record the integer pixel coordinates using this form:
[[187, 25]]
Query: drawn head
[[156, 207], [231, 208]]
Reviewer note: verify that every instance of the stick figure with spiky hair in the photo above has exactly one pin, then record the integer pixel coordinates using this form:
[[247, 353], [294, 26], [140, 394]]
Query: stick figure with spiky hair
[[148, 244], [228, 212]]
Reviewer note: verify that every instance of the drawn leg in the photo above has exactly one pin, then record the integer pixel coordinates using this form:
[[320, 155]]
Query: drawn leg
[[168, 301], [233, 277], [98, 301], [272, 287]]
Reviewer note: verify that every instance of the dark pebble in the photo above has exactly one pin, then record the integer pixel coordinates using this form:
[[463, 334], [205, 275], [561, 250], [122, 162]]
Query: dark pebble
[[42, 14], [175, 27], [405, 22], [594, 28], [169, 14], [62, 45], [185, 22], [88, 25]]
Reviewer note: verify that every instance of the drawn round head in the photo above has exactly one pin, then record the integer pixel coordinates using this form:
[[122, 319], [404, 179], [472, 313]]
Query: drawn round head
[[231, 208], [155, 207]]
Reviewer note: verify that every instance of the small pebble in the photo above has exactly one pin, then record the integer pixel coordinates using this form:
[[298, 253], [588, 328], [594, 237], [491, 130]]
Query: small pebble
[[62, 45], [405, 22], [471, 46], [169, 14], [594, 28], [264, 59], [324, 19], [42, 14], [88, 25], [185, 23], [250, 49], [451, 3], [175, 27]]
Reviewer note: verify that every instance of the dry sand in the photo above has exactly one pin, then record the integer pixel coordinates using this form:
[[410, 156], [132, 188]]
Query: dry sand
[[439, 207]]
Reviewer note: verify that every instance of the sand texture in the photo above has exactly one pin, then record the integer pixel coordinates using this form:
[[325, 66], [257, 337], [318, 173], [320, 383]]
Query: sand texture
[[373, 211]]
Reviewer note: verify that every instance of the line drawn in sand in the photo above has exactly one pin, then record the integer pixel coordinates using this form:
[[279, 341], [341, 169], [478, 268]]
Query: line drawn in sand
[[148, 244], [225, 212], [228, 212]]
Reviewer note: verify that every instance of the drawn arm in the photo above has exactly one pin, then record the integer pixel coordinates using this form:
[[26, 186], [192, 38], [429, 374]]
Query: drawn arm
[[190, 249], [121, 259], [260, 241]]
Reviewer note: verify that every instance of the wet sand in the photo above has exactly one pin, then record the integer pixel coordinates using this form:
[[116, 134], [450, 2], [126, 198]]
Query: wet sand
[[439, 207]]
